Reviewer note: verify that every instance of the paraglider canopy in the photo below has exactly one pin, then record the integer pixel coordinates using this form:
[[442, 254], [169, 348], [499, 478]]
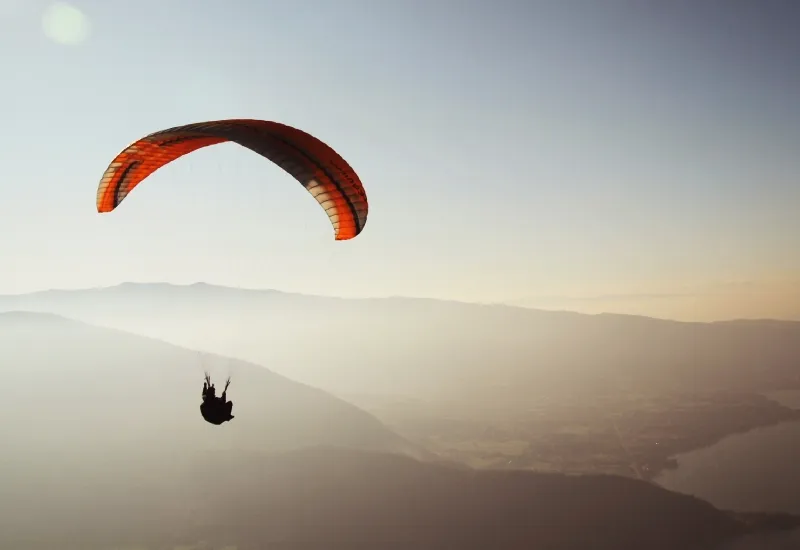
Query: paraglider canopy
[[325, 174]]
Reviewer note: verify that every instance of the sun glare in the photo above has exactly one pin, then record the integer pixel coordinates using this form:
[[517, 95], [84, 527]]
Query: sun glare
[[65, 24]]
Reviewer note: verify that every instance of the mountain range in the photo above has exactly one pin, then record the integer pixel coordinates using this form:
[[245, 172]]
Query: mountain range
[[433, 348]]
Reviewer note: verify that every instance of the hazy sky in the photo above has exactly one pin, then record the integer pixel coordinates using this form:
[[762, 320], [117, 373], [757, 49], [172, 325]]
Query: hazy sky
[[509, 149]]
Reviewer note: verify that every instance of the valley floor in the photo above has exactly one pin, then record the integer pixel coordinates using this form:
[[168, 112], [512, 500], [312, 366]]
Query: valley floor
[[634, 435]]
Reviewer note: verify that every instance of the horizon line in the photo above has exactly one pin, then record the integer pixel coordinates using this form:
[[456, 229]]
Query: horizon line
[[506, 304]]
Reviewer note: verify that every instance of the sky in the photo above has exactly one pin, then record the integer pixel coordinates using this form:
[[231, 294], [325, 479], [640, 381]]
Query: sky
[[559, 152]]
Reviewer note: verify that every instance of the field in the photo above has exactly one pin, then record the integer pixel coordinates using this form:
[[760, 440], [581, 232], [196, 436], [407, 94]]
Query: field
[[632, 434]]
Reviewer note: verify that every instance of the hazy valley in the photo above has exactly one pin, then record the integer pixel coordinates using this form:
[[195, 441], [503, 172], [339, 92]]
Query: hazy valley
[[107, 426], [483, 385]]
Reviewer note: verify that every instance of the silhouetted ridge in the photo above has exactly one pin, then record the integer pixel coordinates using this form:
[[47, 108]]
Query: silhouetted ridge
[[426, 347], [358, 498]]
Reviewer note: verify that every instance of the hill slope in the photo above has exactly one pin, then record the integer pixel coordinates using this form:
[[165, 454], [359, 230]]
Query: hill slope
[[325, 498], [72, 384], [434, 348]]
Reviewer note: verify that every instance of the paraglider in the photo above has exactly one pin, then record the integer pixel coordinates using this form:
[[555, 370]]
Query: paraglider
[[325, 174], [216, 410]]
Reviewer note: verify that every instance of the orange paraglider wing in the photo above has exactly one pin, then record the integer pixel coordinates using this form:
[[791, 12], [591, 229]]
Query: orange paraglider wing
[[325, 174]]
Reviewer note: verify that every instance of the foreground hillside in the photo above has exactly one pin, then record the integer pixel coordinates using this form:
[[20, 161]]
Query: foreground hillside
[[326, 498], [428, 348], [357, 499]]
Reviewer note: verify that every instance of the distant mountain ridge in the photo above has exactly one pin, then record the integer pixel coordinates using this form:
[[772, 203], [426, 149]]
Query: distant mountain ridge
[[215, 290], [755, 299], [418, 346]]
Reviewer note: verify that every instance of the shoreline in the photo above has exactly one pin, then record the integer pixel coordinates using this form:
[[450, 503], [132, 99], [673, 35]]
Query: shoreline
[[671, 462], [628, 434]]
